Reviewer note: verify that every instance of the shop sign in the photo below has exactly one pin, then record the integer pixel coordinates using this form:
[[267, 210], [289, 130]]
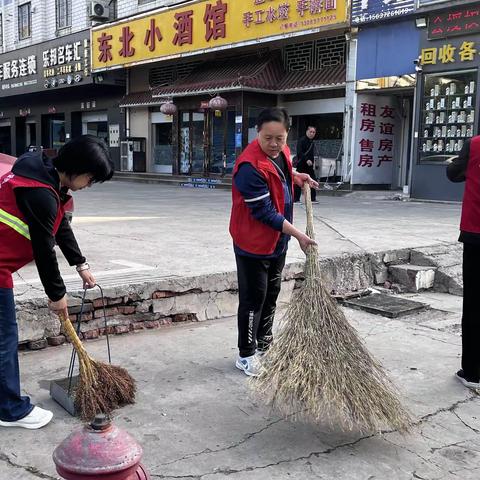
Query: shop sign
[[18, 72], [66, 64], [423, 3], [204, 104], [450, 53], [461, 21], [364, 11], [57, 63], [376, 127], [208, 25]]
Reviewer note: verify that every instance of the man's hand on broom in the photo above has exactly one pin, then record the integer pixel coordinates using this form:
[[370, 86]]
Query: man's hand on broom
[[59, 307], [301, 178]]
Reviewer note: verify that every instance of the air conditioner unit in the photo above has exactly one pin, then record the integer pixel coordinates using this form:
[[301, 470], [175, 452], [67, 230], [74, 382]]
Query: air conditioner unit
[[99, 10]]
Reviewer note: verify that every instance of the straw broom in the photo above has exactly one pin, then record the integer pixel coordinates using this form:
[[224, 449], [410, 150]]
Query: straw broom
[[318, 369], [101, 387]]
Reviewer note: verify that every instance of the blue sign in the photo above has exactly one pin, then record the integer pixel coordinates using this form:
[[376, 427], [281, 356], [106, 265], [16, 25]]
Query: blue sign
[[365, 11]]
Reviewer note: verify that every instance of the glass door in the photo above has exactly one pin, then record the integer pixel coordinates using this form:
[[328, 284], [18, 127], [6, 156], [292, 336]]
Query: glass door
[[198, 147]]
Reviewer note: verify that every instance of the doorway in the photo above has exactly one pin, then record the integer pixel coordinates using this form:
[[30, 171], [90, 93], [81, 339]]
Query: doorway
[[207, 142]]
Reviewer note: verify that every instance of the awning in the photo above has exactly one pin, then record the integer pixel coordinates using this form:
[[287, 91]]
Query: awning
[[251, 74], [233, 74], [140, 99], [387, 50]]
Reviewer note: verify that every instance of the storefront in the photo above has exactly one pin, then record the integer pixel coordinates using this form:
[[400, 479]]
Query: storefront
[[447, 106], [382, 126], [196, 114], [49, 96]]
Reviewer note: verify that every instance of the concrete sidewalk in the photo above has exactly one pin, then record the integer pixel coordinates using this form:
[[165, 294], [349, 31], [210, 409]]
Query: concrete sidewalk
[[140, 232], [196, 419]]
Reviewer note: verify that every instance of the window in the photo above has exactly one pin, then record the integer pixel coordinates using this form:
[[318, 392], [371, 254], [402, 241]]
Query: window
[[64, 10], [24, 21], [448, 116], [1, 30]]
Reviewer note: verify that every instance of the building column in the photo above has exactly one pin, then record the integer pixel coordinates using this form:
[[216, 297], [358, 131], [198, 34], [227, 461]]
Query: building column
[[350, 107]]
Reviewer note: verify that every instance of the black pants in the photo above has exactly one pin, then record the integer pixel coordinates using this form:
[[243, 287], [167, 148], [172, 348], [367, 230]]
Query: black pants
[[470, 317], [259, 283], [298, 190]]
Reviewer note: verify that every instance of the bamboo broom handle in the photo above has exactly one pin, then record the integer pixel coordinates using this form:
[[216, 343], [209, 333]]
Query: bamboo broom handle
[[310, 231], [73, 337]]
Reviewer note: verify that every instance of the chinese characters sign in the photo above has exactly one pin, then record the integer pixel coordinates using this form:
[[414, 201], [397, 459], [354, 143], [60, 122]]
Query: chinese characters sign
[[364, 11], [208, 25], [57, 63], [449, 53], [462, 21], [18, 72], [66, 64], [376, 127]]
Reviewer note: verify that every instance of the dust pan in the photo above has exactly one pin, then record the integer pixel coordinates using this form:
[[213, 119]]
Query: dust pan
[[99, 388], [318, 369]]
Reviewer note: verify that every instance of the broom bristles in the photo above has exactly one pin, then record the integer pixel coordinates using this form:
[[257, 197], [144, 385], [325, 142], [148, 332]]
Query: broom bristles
[[112, 388], [318, 368], [101, 387]]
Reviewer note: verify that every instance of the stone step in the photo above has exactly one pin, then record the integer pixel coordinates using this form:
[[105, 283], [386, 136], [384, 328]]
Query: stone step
[[414, 277]]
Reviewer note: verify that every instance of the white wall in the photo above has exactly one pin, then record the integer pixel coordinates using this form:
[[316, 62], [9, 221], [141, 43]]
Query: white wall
[[43, 22], [308, 107], [140, 127], [126, 8]]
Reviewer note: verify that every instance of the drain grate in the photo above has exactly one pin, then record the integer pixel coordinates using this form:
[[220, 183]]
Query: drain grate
[[385, 305]]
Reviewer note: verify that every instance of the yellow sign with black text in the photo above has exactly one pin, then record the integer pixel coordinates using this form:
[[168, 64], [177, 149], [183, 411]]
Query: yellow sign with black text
[[448, 53], [209, 25]]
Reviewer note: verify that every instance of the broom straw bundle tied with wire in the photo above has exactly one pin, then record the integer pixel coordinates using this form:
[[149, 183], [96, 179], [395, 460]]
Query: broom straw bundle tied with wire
[[101, 387], [318, 369]]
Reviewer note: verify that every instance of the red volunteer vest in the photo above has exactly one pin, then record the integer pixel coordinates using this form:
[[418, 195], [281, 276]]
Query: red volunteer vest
[[248, 233], [471, 197], [15, 245]]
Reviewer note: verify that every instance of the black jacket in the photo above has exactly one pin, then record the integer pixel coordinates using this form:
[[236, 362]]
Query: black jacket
[[305, 151], [39, 206]]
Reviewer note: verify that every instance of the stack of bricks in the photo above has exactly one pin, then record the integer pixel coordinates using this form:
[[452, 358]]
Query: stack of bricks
[[118, 316]]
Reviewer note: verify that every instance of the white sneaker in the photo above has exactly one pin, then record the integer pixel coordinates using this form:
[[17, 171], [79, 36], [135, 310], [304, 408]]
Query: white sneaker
[[250, 365], [37, 418], [473, 385]]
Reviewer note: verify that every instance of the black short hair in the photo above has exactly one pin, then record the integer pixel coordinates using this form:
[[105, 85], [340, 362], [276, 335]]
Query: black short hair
[[85, 154], [273, 114], [312, 126]]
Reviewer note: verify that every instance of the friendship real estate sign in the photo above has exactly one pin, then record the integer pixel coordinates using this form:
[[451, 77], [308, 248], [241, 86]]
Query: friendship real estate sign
[[208, 25]]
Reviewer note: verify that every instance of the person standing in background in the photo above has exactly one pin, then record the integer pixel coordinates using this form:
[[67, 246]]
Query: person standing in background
[[306, 160], [466, 168]]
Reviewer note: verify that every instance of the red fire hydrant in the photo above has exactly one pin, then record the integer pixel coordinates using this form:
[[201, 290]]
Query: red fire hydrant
[[100, 451]]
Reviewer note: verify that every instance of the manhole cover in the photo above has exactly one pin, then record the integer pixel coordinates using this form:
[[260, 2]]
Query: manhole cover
[[386, 305]]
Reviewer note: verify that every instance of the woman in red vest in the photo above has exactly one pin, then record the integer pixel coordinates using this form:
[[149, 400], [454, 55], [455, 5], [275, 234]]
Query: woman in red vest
[[466, 168], [261, 226], [32, 221]]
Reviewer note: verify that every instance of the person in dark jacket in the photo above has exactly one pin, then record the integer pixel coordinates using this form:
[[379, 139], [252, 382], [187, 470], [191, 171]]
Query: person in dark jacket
[[32, 221], [261, 226], [306, 160], [466, 168]]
